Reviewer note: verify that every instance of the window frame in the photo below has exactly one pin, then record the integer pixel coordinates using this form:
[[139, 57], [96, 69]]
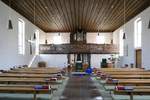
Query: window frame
[[121, 42], [21, 36], [138, 33]]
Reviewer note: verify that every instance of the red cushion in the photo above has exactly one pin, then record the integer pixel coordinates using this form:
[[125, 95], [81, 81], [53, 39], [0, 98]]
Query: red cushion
[[120, 88], [45, 87], [53, 79]]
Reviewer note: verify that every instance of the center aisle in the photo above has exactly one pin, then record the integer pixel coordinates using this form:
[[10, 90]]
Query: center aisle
[[81, 88]]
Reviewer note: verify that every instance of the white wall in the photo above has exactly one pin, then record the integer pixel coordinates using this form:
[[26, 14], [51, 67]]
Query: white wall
[[129, 30], [97, 58], [9, 38], [65, 37], [91, 37], [54, 60]]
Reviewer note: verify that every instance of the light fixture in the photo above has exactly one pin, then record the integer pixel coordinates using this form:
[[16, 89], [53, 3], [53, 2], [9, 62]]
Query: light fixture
[[57, 39], [100, 39], [124, 6], [149, 25], [124, 35], [30, 46], [10, 26], [111, 41], [46, 42], [34, 36]]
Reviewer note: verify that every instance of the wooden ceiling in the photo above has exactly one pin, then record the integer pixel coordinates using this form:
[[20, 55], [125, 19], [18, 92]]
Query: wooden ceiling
[[70, 15]]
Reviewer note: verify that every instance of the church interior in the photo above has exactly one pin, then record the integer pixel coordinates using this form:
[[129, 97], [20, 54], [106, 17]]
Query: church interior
[[74, 50]]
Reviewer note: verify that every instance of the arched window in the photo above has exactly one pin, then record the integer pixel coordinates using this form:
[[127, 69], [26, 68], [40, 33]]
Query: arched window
[[137, 33]]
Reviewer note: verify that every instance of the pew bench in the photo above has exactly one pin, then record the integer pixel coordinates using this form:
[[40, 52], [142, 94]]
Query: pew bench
[[25, 90], [136, 93]]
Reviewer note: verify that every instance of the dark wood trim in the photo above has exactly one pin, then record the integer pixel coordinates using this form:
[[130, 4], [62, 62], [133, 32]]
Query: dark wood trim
[[79, 49]]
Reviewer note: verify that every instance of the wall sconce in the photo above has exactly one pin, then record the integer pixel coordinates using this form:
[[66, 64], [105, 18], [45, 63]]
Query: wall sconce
[[10, 26]]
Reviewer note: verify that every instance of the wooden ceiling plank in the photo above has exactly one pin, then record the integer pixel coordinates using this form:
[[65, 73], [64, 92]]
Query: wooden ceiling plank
[[50, 12], [71, 14], [64, 14], [95, 14], [102, 16], [84, 14], [100, 5], [92, 14], [89, 13], [121, 16], [56, 13], [111, 11], [87, 6], [68, 15]]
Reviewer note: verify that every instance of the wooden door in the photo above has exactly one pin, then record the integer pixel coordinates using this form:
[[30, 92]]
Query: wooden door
[[138, 58]]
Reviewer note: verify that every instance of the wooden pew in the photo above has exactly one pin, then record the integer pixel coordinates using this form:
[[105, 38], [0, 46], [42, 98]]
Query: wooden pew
[[137, 90], [34, 70], [25, 89], [38, 69], [130, 76], [16, 75], [120, 69], [28, 81], [133, 82], [129, 73], [22, 80], [31, 72], [109, 86]]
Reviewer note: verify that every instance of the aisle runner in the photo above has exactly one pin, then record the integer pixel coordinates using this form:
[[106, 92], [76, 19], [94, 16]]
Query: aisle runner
[[80, 88]]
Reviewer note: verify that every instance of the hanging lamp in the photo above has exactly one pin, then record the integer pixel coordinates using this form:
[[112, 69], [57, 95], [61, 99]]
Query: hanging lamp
[[10, 26], [124, 34], [34, 35], [149, 25], [46, 42]]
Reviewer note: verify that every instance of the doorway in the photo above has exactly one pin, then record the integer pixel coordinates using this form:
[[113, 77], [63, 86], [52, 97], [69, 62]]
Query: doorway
[[138, 57]]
